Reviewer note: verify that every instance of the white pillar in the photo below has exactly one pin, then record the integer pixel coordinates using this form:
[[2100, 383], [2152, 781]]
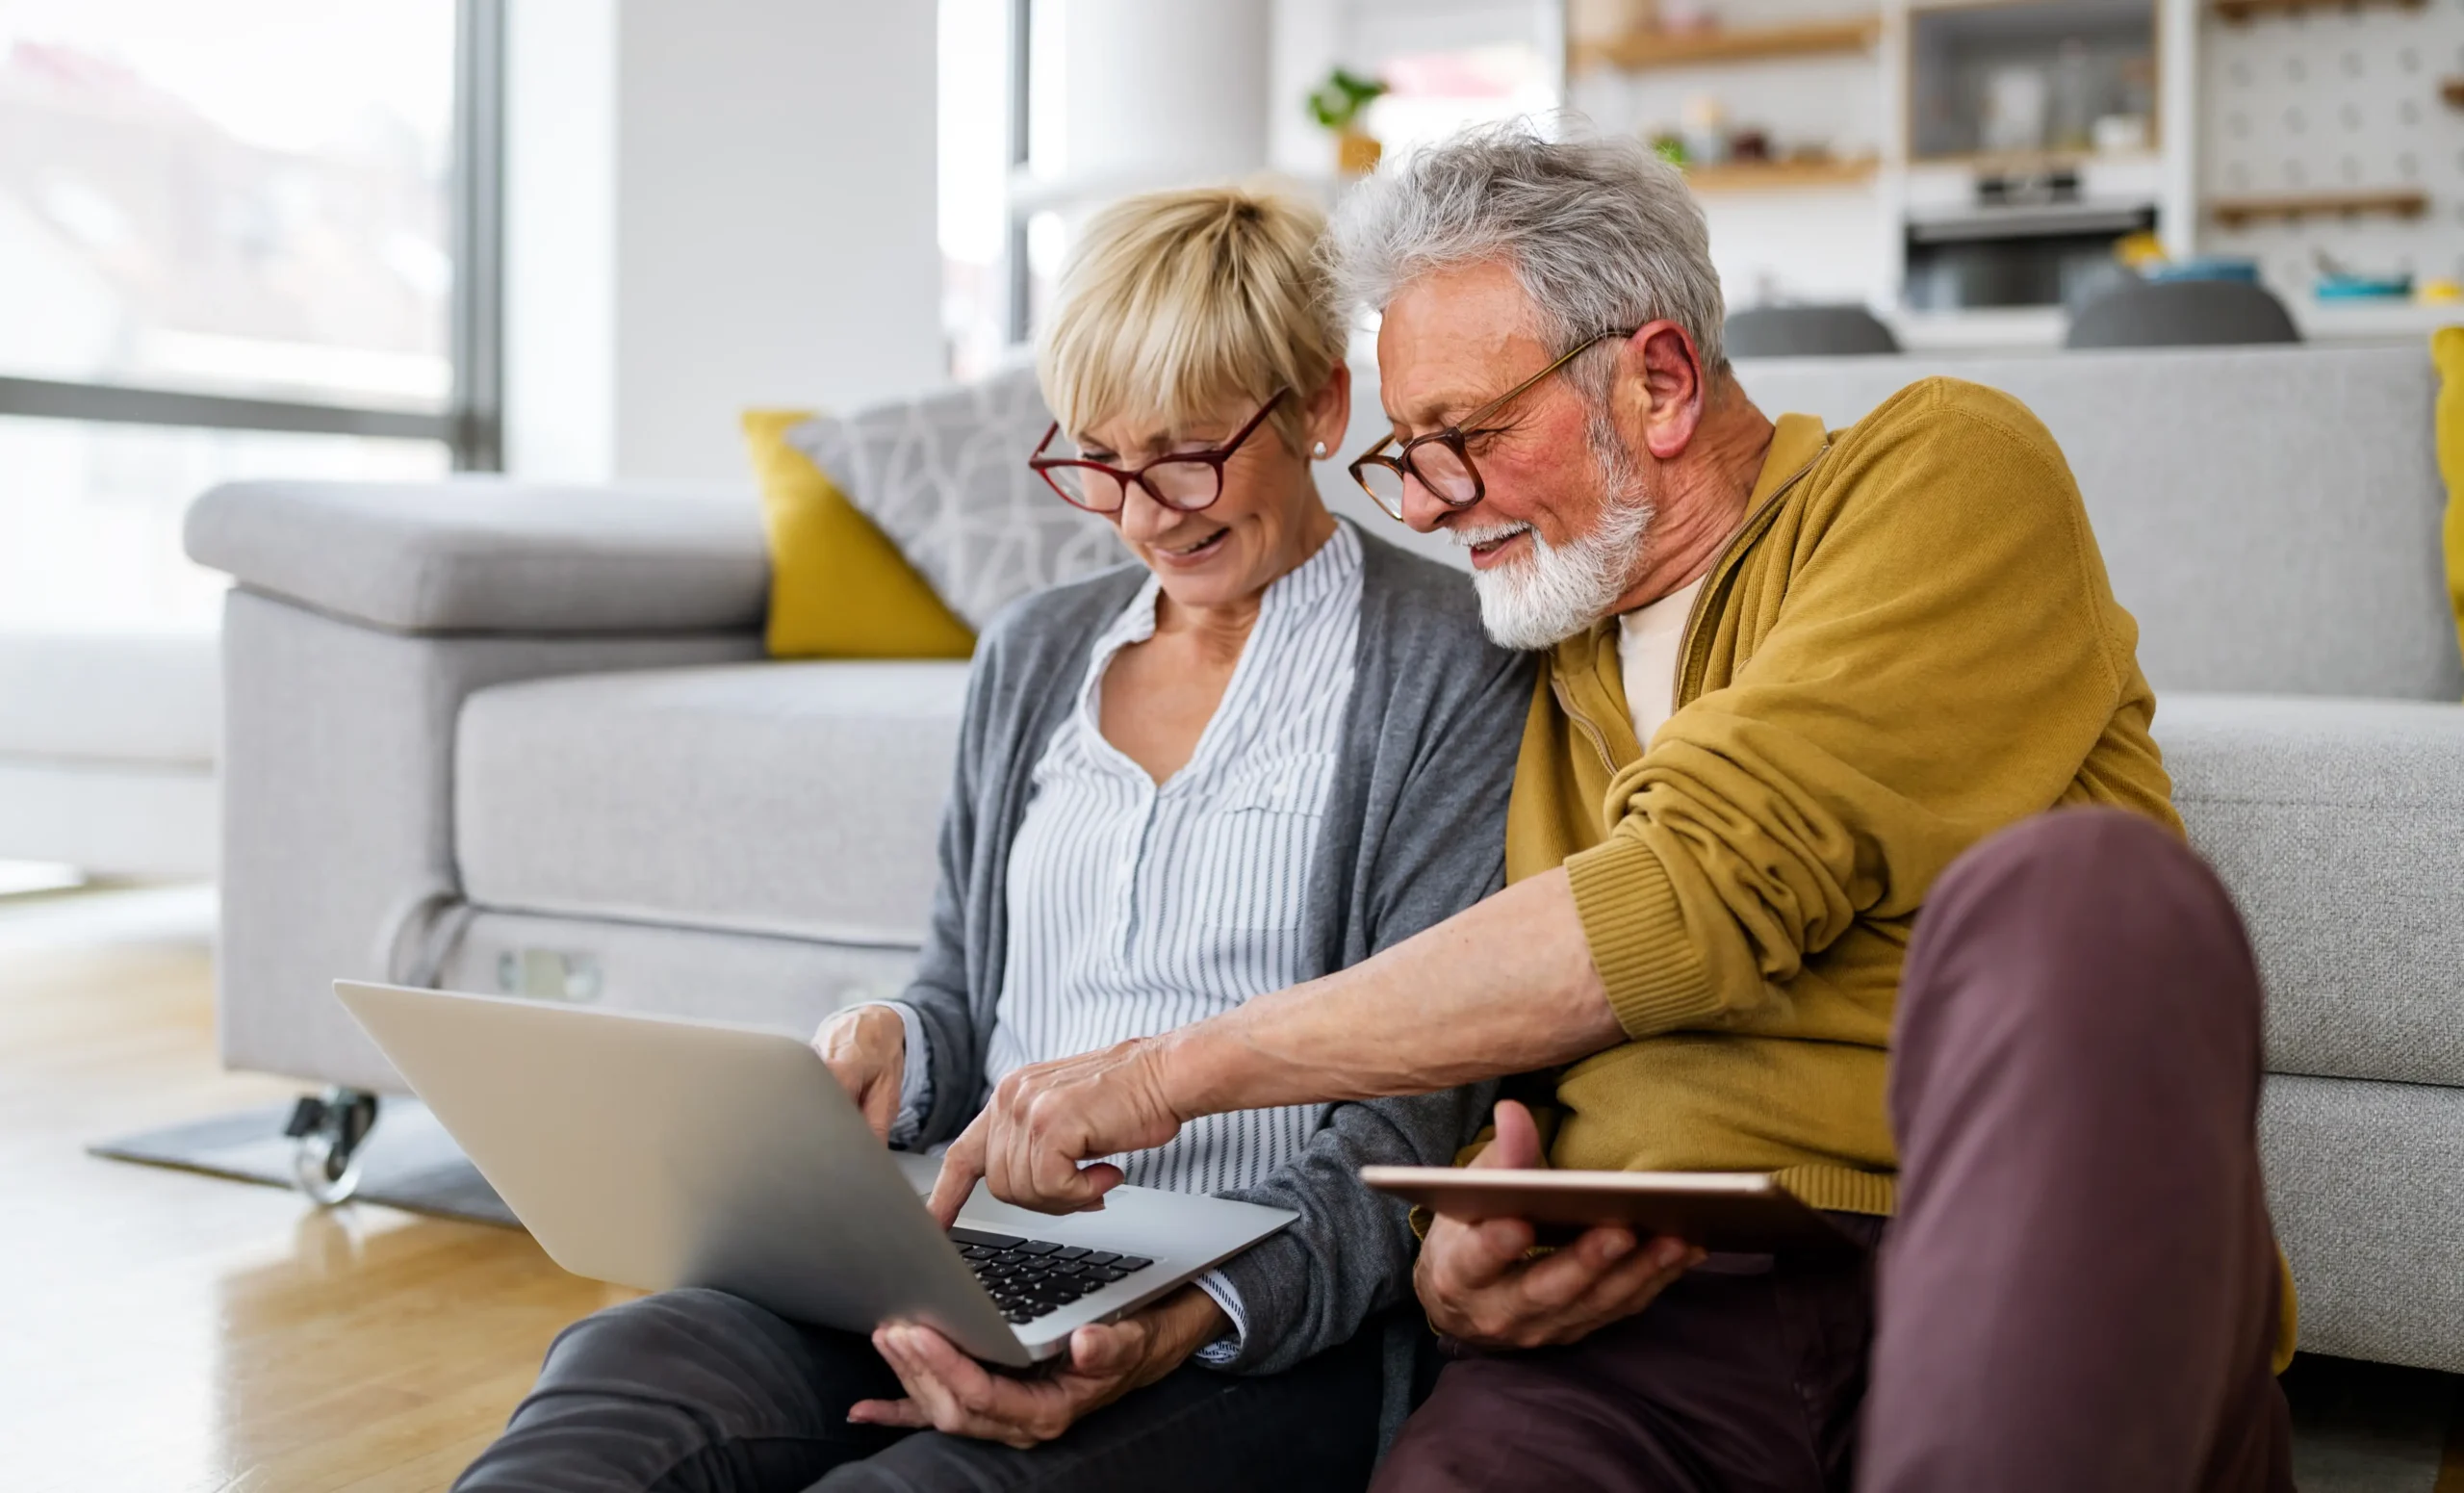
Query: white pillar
[[560, 240], [712, 204], [1159, 92]]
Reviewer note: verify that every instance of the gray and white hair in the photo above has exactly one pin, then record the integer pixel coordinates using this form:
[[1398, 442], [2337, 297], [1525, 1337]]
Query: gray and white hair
[[1602, 234]]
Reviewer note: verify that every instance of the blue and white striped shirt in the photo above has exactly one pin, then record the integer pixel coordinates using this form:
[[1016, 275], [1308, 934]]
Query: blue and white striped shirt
[[1136, 907]]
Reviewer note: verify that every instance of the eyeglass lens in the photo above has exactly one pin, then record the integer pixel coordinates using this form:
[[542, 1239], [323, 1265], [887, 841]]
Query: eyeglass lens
[[1385, 485], [1177, 484], [1441, 469], [1444, 471]]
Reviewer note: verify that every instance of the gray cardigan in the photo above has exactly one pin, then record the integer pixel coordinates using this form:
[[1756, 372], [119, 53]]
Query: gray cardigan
[[1414, 832]]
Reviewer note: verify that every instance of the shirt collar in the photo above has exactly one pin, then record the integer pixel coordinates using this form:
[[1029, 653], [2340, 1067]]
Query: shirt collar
[[1321, 573], [1312, 580], [1796, 442]]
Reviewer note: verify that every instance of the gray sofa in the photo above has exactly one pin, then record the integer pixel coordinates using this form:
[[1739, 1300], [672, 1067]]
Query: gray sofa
[[504, 737]]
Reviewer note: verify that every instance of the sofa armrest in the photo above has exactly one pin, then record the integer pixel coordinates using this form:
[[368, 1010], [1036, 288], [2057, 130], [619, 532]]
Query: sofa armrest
[[486, 554], [337, 769]]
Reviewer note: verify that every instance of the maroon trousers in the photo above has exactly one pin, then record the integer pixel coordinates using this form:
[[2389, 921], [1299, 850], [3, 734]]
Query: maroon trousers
[[2079, 1291]]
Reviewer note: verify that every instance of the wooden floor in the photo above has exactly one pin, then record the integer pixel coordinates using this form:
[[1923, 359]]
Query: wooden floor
[[163, 1332]]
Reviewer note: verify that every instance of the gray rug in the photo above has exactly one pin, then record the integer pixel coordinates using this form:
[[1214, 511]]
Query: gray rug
[[409, 1161]]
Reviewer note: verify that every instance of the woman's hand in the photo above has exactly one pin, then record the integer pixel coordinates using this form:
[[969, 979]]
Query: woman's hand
[[867, 1049], [951, 1392]]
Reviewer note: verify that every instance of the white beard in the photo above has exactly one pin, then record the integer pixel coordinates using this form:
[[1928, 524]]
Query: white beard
[[1558, 590]]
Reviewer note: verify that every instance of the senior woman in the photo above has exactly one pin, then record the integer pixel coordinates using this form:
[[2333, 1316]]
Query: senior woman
[[1269, 749]]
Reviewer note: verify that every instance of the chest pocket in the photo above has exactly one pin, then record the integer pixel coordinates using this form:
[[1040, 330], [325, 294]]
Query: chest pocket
[[1256, 838]]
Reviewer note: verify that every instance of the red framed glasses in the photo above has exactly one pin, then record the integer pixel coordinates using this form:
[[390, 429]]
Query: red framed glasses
[[1185, 482]]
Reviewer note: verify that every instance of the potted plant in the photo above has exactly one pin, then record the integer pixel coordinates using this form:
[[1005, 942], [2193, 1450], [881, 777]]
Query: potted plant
[[1336, 104]]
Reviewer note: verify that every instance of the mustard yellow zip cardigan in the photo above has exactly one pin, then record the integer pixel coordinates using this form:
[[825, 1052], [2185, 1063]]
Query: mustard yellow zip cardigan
[[1911, 643]]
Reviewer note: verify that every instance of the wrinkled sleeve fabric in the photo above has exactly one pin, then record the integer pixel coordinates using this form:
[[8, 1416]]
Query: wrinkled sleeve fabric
[[1946, 656]]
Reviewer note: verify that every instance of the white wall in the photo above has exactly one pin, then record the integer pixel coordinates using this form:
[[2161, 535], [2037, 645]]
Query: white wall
[[712, 204]]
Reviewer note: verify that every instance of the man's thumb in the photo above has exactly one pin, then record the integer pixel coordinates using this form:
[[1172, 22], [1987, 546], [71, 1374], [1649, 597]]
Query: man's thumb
[[1517, 1142]]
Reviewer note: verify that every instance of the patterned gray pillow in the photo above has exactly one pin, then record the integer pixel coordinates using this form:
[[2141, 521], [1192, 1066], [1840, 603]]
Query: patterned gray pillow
[[945, 476]]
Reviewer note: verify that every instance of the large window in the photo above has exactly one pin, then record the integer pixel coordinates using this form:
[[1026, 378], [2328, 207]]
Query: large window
[[238, 238], [1003, 103]]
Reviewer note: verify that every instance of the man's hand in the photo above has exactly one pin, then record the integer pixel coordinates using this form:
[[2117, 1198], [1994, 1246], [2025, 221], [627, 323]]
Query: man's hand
[[1478, 1287], [951, 1392], [1045, 1119], [867, 1049]]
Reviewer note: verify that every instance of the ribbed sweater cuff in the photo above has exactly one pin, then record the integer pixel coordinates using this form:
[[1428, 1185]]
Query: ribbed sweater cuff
[[1656, 977]]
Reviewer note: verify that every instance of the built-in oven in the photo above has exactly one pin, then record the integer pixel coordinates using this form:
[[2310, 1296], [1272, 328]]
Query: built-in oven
[[2021, 242]]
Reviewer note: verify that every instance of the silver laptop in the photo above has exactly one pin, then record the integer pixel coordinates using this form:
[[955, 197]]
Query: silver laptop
[[656, 1152]]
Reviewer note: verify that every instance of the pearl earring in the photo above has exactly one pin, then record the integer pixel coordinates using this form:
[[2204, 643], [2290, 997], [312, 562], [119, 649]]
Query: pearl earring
[[1322, 450]]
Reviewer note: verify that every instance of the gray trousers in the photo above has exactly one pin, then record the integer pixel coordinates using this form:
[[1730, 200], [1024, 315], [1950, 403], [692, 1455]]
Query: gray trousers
[[2079, 1291], [699, 1392]]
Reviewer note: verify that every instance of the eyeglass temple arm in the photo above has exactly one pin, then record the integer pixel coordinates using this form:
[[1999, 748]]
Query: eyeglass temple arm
[[1036, 456]]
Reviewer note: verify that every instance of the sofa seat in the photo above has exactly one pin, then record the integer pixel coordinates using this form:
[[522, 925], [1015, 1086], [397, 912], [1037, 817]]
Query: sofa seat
[[2339, 826], [798, 800]]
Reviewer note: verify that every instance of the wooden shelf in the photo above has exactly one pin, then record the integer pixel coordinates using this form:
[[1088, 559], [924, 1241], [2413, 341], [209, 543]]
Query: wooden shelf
[[1644, 50], [2234, 212], [1778, 175], [2033, 161], [2241, 10]]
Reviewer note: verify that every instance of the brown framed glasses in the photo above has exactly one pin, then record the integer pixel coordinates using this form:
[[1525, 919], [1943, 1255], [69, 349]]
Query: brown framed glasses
[[1441, 461], [1185, 482]]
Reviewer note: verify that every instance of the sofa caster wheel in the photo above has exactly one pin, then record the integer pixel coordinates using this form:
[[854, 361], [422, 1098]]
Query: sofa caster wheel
[[330, 1132]]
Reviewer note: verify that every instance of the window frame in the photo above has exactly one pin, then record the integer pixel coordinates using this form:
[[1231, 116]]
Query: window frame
[[472, 425], [1020, 276]]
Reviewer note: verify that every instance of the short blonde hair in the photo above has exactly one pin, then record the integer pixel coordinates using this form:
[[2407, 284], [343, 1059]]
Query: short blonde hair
[[1180, 307]]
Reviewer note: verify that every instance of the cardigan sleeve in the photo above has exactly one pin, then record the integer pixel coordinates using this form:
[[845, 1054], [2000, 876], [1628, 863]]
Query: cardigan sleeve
[[936, 999], [1011, 706]]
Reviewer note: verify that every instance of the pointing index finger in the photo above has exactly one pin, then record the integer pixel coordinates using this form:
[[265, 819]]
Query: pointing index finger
[[961, 1167]]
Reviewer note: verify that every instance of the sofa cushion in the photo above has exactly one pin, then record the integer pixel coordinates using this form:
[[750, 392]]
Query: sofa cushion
[[144, 700], [838, 587], [945, 475], [2270, 515], [796, 799], [2339, 825], [485, 555]]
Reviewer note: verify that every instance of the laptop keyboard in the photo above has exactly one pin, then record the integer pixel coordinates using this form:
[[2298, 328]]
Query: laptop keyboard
[[1030, 1277]]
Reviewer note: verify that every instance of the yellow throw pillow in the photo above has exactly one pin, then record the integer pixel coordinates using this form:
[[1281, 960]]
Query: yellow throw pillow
[[2447, 349], [838, 587]]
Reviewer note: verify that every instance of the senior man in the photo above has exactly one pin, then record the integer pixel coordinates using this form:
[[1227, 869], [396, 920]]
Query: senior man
[[1795, 682]]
